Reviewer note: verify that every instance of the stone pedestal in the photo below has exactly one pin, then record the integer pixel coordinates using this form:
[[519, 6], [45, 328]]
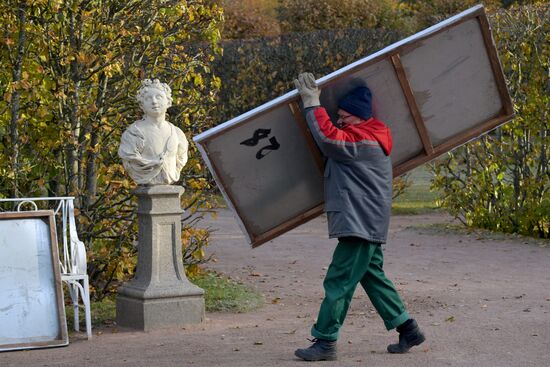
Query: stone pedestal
[[160, 295]]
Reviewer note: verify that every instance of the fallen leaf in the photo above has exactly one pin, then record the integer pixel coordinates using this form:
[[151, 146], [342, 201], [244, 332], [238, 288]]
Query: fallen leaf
[[291, 332], [275, 300], [255, 274], [450, 319], [258, 343], [236, 349]]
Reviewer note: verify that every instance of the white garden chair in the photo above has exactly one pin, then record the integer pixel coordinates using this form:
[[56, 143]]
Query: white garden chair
[[73, 255]]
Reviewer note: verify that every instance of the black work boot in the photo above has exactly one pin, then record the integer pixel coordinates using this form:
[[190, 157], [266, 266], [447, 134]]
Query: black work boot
[[409, 336], [321, 350]]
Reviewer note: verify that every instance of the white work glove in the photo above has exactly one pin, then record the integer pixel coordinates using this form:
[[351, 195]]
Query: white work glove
[[307, 87]]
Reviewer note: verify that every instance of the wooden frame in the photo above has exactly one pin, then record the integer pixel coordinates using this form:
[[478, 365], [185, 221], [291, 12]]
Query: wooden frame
[[396, 59], [33, 308]]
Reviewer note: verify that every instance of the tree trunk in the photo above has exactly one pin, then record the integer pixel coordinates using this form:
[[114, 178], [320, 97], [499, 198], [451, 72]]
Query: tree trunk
[[91, 168], [16, 97], [73, 173]]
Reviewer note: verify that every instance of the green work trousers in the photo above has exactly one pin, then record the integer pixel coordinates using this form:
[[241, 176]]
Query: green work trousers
[[355, 261]]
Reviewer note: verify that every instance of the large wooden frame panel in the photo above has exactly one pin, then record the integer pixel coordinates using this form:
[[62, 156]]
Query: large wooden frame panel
[[436, 90], [31, 293]]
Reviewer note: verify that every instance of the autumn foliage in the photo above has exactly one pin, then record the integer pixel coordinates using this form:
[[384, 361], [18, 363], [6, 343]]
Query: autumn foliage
[[502, 181], [69, 73]]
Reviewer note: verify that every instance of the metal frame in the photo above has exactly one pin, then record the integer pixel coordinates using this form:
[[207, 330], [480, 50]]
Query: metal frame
[[73, 261], [391, 54], [48, 217]]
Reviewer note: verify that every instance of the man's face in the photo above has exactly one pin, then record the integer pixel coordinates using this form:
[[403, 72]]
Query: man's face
[[155, 102], [346, 118]]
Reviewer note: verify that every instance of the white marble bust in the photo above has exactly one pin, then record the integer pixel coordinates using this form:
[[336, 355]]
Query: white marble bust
[[153, 150]]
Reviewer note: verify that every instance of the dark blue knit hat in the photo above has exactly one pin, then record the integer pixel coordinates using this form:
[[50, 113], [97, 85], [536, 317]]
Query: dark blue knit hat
[[358, 102]]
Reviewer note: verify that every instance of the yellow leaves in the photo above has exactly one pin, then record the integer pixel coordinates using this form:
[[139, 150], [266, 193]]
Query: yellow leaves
[[198, 183], [197, 80], [42, 111], [84, 58], [60, 94], [158, 29], [113, 69]]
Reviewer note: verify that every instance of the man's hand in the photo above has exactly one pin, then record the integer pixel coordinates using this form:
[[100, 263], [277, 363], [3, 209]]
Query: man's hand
[[307, 87]]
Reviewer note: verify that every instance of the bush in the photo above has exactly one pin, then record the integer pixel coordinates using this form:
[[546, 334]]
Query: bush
[[502, 181], [310, 15], [248, 21], [69, 74], [258, 70]]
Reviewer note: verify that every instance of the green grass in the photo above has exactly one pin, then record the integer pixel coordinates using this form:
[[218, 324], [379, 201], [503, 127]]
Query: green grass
[[417, 198], [478, 233], [226, 295], [103, 313], [221, 295]]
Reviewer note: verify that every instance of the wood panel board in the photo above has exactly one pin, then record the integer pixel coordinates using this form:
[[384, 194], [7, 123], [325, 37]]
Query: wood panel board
[[435, 90], [31, 294]]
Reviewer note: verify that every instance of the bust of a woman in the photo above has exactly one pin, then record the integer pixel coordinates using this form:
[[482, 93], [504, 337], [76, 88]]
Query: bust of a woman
[[153, 150]]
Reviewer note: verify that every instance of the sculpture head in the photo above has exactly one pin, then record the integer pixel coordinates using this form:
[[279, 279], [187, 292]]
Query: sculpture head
[[154, 97]]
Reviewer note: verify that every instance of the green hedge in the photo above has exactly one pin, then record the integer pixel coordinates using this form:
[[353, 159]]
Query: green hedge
[[255, 71]]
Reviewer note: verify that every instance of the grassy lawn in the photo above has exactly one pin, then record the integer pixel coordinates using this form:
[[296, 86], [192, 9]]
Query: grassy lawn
[[479, 233], [417, 198], [103, 313], [226, 295], [221, 295]]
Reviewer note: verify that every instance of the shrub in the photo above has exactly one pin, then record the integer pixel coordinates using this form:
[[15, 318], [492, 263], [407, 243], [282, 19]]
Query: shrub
[[310, 15], [257, 70], [502, 181], [69, 74], [243, 20]]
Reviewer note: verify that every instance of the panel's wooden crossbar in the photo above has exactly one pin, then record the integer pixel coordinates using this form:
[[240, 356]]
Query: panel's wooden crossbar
[[288, 225], [413, 106], [485, 27], [302, 124], [450, 144]]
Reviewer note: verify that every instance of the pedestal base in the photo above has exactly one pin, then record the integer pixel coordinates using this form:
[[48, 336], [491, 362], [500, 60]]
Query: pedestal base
[[160, 295], [157, 313]]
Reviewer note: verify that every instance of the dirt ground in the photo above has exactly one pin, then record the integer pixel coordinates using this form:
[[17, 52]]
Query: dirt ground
[[482, 302]]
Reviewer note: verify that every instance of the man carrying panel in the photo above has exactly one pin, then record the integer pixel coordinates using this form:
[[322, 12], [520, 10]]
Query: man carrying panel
[[358, 194]]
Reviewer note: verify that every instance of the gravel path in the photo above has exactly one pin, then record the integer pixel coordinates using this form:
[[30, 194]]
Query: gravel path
[[482, 302]]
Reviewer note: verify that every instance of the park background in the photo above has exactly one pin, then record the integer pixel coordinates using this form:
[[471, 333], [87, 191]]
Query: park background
[[69, 71]]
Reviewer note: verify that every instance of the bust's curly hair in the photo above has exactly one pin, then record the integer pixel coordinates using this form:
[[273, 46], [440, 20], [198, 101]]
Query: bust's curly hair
[[147, 84]]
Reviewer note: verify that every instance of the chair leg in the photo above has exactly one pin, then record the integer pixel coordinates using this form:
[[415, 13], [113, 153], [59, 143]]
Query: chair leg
[[88, 313], [73, 291]]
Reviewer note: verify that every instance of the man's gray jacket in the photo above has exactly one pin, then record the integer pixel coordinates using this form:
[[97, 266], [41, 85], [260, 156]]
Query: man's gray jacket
[[358, 175]]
